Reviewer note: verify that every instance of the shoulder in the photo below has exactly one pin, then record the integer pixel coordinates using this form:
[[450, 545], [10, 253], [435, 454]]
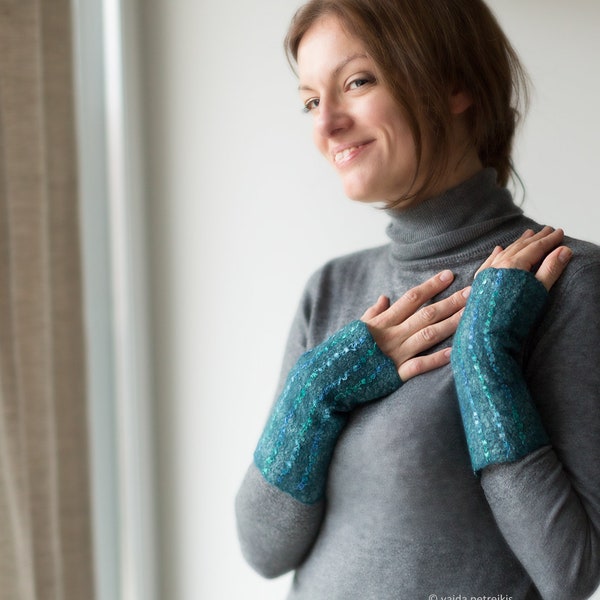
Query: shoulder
[[564, 352], [582, 273], [574, 301], [584, 253]]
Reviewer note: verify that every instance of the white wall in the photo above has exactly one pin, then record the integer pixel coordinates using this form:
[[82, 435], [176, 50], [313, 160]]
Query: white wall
[[242, 210]]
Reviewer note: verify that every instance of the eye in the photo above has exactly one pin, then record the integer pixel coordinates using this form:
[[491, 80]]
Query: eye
[[359, 82], [310, 104]]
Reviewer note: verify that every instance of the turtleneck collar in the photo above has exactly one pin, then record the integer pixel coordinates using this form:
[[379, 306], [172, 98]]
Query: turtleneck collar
[[453, 220]]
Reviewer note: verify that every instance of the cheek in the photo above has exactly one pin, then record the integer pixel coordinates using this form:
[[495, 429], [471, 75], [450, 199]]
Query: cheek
[[396, 127], [403, 146]]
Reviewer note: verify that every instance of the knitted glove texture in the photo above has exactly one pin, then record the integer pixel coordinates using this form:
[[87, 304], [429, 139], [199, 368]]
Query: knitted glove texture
[[327, 382], [500, 419]]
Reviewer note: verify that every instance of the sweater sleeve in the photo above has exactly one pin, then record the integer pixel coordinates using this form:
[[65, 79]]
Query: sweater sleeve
[[546, 502], [280, 504]]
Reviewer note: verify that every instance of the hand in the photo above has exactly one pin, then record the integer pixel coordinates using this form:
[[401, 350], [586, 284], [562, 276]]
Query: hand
[[407, 328], [529, 250]]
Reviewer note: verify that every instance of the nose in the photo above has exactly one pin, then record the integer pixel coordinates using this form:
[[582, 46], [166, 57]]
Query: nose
[[332, 118]]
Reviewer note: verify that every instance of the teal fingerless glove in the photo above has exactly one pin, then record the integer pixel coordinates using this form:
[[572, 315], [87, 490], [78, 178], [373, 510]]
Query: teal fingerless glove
[[327, 382], [500, 420]]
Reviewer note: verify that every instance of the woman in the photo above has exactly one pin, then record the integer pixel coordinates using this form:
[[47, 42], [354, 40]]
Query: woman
[[385, 472]]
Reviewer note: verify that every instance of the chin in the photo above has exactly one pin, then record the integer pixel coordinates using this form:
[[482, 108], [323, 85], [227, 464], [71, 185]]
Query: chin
[[359, 193], [362, 198]]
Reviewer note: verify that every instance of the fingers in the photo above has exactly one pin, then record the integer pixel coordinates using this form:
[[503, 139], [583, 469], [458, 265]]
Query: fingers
[[490, 260], [426, 338], [411, 301], [382, 304], [426, 328], [422, 364], [553, 266], [528, 250], [428, 320]]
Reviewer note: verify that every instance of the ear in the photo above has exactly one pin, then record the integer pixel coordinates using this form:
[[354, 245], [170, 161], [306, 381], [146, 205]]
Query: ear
[[460, 100]]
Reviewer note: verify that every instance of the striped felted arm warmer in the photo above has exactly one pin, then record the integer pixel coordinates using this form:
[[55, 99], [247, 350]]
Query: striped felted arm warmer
[[500, 420], [327, 382]]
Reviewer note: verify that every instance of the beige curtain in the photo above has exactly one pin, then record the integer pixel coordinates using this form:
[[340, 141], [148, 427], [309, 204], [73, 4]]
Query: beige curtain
[[45, 531]]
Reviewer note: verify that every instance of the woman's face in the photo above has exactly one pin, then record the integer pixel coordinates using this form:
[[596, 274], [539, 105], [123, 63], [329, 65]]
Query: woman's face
[[358, 126]]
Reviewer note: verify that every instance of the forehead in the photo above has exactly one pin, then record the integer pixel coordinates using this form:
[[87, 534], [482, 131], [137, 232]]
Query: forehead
[[326, 48]]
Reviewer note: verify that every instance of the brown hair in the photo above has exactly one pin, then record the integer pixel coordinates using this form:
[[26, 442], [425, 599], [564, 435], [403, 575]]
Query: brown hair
[[425, 50]]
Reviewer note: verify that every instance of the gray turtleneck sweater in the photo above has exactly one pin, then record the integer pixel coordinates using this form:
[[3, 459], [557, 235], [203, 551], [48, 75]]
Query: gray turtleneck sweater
[[404, 517]]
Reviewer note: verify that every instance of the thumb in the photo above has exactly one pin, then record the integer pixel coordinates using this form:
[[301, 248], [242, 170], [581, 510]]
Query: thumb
[[382, 304]]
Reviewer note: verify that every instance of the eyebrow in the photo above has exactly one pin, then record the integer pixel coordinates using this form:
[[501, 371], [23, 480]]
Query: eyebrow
[[338, 69]]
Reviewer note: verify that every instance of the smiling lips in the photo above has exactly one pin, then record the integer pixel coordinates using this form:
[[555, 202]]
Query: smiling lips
[[340, 157]]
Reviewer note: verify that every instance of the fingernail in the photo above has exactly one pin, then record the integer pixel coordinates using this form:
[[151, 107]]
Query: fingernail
[[564, 256], [448, 352], [466, 292], [446, 275]]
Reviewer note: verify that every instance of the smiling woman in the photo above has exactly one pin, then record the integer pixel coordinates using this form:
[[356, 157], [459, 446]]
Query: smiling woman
[[357, 124], [435, 427], [423, 76]]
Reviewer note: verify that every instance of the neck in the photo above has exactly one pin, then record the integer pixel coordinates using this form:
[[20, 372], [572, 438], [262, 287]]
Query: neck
[[463, 164]]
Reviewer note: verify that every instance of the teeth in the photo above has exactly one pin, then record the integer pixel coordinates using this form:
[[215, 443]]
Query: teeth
[[340, 156]]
